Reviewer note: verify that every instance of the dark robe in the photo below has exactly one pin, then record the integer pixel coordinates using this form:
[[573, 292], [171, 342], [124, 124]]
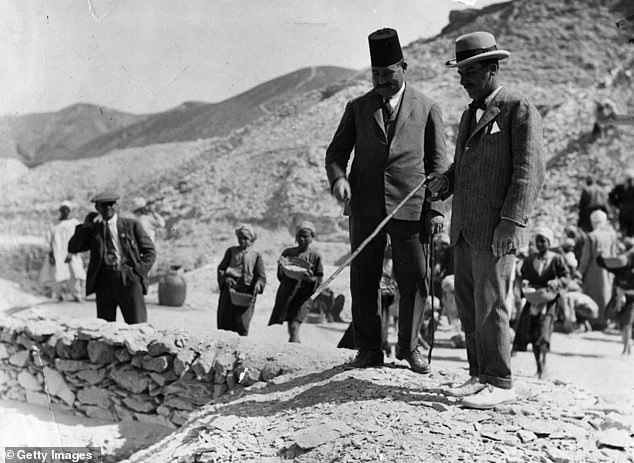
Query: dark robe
[[291, 300]]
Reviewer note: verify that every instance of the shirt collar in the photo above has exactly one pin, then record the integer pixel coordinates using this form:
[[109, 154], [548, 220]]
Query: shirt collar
[[113, 220], [395, 99], [489, 99]]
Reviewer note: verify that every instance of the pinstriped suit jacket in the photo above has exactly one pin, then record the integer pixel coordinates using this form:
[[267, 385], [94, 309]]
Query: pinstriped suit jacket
[[383, 173], [499, 174]]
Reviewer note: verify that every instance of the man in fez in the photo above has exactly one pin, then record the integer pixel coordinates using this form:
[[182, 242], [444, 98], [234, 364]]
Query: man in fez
[[398, 138], [121, 255], [495, 179]]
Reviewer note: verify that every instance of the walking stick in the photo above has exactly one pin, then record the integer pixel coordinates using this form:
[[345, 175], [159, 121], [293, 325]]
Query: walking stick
[[357, 251], [431, 292]]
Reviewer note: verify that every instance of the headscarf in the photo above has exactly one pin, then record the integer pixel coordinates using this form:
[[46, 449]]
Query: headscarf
[[305, 225], [598, 219], [546, 233], [245, 230]]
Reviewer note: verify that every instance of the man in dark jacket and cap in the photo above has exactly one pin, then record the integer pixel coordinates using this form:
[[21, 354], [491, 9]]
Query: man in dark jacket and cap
[[398, 138], [121, 255]]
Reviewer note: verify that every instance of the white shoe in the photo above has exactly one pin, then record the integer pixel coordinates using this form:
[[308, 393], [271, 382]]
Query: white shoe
[[489, 397], [469, 387]]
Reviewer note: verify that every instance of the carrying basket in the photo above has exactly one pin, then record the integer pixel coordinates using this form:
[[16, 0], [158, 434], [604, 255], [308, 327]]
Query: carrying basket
[[539, 295], [294, 268], [241, 299], [615, 262]]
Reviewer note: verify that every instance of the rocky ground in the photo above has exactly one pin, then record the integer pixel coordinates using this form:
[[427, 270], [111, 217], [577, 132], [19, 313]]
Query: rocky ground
[[582, 412]]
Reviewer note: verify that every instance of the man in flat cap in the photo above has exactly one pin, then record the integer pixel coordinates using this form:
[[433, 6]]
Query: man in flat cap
[[495, 179], [398, 138], [121, 255]]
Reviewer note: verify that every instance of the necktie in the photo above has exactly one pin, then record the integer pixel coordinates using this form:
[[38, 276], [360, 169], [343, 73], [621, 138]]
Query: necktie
[[473, 107], [388, 121], [110, 252]]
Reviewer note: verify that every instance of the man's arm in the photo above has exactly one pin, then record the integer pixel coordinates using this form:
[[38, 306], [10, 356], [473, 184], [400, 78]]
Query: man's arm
[[527, 151], [338, 152], [435, 152], [147, 251], [84, 232]]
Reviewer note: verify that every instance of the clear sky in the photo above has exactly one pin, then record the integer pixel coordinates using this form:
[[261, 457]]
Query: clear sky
[[143, 56]]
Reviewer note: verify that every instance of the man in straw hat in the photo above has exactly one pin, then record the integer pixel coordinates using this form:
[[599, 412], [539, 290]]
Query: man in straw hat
[[398, 137], [495, 179], [121, 255]]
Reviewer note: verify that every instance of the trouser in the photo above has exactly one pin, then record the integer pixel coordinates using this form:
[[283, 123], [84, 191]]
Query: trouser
[[481, 287], [410, 269], [626, 222], [114, 288]]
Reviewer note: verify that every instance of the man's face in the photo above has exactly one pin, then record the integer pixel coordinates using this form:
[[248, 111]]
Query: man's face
[[304, 238], [387, 80], [477, 79], [107, 209], [541, 244]]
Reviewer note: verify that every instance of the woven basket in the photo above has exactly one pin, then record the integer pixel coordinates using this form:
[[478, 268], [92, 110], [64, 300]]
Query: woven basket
[[241, 299], [294, 268], [539, 296], [614, 262]]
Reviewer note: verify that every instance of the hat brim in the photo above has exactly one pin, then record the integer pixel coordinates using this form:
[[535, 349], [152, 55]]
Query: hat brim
[[496, 54]]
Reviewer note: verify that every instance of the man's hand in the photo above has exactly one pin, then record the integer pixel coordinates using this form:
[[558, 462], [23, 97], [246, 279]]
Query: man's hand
[[69, 257], [92, 218], [258, 288], [341, 189], [436, 183], [434, 222], [230, 282], [506, 238]]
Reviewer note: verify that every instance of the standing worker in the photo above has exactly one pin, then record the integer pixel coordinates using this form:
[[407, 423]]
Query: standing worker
[[121, 255], [148, 217], [495, 179], [398, 138], [68, 274]]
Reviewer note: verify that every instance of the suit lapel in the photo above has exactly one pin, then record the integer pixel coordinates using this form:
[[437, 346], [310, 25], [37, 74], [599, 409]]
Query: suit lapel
[[491, 113], [377, 112], [408, 102]]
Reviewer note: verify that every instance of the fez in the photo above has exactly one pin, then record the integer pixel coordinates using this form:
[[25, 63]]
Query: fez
[[385, 49]]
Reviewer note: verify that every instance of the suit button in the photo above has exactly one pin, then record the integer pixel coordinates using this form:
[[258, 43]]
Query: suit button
[[466, 148]]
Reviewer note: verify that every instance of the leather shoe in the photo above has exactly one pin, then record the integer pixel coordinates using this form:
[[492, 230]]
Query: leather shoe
[[415, 358], [366, 358], [469, 387], [489, 397]]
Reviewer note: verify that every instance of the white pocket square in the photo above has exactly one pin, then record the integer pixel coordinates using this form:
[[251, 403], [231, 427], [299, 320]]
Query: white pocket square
[[495, 128]]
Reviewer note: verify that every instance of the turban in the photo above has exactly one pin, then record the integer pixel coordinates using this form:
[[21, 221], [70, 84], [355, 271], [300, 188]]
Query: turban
[[598, 219], [247, 231], [305, 225], [546, 233]]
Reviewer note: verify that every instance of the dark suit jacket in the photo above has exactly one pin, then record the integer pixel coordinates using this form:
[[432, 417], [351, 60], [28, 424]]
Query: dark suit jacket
[[383, 173], [137, 250], [496, 175]]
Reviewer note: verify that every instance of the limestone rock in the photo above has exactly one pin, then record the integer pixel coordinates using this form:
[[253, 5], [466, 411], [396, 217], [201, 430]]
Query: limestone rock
[[178, 402], [163, 378], [100, 352], [4, 353], [37, 398], [73, 365], [154, 419], [57, 386], [223, 365], [318, 435], [130, 379], [122, 354], [219, 389], [92, 376], [158, 364], [204, 364], [225, 423], [68, 346], [123, 413], [40, 330], [140, 403], [20, 358], [270, 371], [29, 381], [615, 438], [98, 413], [94, 396], [183, 361]]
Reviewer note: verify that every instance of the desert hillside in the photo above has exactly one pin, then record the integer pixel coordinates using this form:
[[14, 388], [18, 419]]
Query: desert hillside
[[566, 55]]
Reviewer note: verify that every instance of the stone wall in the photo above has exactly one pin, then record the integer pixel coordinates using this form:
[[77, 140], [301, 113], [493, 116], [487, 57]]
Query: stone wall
[[121, 372]]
